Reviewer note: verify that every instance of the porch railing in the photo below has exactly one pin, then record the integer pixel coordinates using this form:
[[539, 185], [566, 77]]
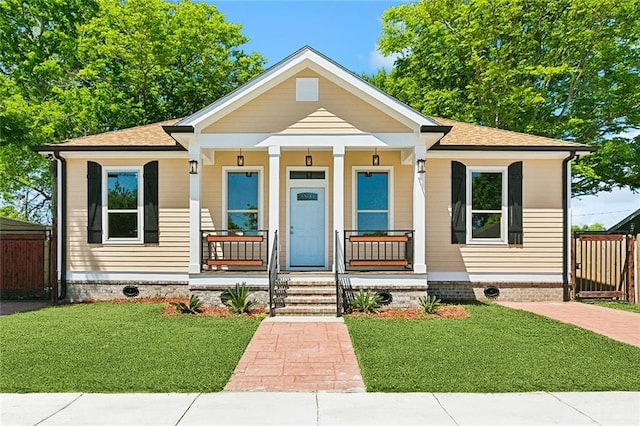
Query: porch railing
[[277, 285], [344, 291], [381, 250], [234, 249]]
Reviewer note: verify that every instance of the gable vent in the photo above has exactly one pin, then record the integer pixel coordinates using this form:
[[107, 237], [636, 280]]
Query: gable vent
[[306, 89]]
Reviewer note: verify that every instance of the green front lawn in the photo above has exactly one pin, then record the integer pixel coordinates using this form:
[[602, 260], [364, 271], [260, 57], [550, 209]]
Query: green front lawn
[[623, 306], [495, 350], [130, 347]]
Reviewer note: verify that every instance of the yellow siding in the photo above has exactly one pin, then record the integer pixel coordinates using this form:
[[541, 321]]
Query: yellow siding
[[541, 251], [276, 110], [172, 252]]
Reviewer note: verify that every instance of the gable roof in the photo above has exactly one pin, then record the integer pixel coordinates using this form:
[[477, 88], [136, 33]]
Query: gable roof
[[628, 225], [309, 58], [465, 136]]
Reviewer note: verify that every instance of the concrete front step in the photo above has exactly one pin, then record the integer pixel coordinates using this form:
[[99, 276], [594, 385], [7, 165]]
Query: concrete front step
[[329, 310], [292, 300], [295, 290]]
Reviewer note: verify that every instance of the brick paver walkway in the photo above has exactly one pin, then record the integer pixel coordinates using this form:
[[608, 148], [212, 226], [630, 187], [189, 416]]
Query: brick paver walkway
[[298, 354], [614, 323]]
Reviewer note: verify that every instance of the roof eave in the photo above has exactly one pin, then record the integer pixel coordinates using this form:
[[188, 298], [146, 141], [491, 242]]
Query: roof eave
[[568, 148], [129, 148]]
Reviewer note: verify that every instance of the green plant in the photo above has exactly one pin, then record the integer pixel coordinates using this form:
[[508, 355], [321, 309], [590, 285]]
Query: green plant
[[365, 301], [193, 307], [237, 299], [429, 303]]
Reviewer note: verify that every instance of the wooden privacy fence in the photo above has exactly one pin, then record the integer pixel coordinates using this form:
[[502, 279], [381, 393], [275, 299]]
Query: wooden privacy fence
[[603, 266], [26, 265]]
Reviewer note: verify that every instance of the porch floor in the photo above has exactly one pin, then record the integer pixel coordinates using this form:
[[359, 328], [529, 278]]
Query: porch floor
[[298, 354]]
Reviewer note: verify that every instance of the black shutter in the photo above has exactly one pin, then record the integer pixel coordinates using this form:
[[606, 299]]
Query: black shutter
[[151, 202], [515, 203], [94, 202], [458, 203]]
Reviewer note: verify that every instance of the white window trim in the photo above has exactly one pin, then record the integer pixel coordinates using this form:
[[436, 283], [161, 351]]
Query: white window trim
[[105, 208], [354, 193], [225, 184], [504, 226]]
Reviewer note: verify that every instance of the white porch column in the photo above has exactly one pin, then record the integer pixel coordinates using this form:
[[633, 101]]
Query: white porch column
[[195, 240], [338, 197], [274, 194], [419, 210]]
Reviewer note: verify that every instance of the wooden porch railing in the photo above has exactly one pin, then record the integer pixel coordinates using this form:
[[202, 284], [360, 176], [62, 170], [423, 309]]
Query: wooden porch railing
[[234, 249], [378, 250]]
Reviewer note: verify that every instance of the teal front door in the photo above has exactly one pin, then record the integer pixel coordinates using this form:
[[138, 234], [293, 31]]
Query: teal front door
[[307, 231]]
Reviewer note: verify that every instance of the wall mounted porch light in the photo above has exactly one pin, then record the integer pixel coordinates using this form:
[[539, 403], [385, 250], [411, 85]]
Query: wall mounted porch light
[[375, 160], [421, 165], [193, 167], [240, 159], [308, 159]]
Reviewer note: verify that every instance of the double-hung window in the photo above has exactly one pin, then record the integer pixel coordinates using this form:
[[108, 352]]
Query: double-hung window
[[373, 201], [487, 206], [122, 203], [242, 210]]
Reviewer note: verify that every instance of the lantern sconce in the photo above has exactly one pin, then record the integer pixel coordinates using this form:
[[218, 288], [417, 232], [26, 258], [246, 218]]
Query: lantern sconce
[[421, 165], [375, 160], [193, 167], [240, 159], [308, 159]]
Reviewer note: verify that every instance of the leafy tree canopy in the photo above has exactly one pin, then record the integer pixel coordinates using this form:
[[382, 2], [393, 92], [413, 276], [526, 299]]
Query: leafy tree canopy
[[592, 227], [564, 69], [74, 67]]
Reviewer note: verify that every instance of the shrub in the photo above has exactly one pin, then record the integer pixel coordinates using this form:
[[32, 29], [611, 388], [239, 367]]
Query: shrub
[[193, 307], [429, 303], [365, 301], [237, 299]]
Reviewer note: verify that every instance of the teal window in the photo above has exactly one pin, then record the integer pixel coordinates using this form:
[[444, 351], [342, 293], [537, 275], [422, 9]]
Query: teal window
[[243, 200], [372, 204]]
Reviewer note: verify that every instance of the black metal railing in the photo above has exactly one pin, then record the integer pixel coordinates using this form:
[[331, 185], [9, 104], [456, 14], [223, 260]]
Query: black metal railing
[[224, 249], [273, 275], [384, 250], [344, 291]]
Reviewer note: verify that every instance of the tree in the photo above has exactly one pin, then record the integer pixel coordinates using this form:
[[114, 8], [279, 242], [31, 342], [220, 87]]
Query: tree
[[564, 69], [74, 67], [593, 227]]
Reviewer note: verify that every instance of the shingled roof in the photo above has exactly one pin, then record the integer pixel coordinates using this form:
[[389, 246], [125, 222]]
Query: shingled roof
[[470, 136], [146, 137], [462, 136]]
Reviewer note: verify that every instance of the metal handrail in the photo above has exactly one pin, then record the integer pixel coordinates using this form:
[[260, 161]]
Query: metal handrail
[[273, 273], [344, 292]]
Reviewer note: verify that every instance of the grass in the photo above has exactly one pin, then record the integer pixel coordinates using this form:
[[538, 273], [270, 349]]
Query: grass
[[130, 347], [623, 306], [495, 350]]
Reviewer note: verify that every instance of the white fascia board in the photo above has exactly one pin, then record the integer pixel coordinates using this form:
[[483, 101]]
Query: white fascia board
[[506, 277], [292, 140], [286, 69], [96, 155], [222, 141], [151, 277], [509, 155]]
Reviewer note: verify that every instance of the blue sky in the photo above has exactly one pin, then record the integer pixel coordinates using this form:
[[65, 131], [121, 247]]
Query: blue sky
[[347, 32]]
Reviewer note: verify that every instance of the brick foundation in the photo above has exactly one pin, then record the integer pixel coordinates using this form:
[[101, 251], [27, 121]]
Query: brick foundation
[[82, 291], [210, 294], [509, 292]]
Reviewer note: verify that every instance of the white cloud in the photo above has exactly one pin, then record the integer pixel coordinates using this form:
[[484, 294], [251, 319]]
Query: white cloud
[[377, 60]]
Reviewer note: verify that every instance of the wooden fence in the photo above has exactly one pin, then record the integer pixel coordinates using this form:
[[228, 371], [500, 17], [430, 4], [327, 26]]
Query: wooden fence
[[603, 266]]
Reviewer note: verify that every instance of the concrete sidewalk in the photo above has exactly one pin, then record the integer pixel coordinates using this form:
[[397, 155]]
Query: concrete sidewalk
[[320, 408]]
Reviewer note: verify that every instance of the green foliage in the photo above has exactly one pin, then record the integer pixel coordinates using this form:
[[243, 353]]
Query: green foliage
[[237, 299], [592, 227], [70, 67], [430, 303], [565, 69], [614, 304], [495, 350], [193, 307], [365, 301], [119, 348]]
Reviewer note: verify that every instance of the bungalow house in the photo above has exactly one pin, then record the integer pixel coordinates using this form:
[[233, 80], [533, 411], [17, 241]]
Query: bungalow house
[[304, 172]]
